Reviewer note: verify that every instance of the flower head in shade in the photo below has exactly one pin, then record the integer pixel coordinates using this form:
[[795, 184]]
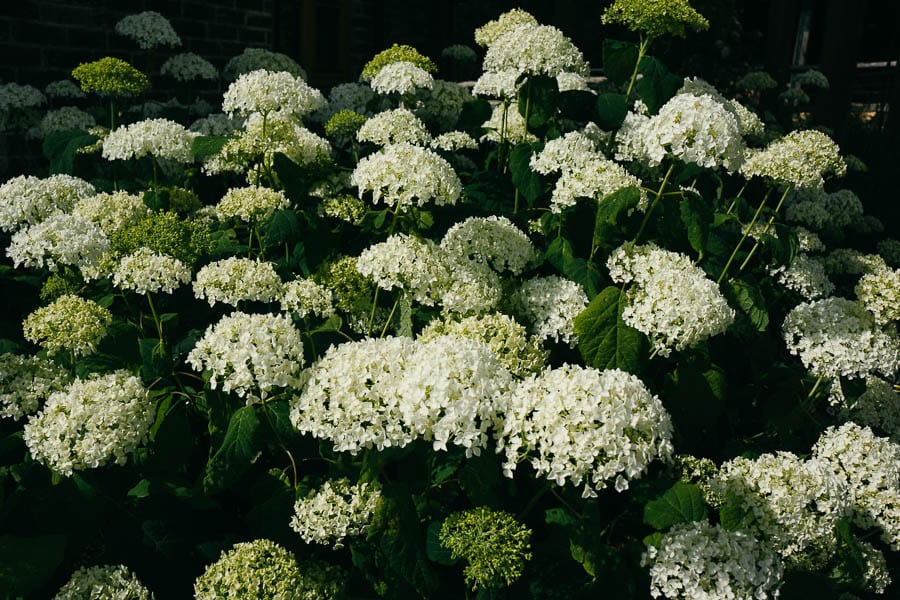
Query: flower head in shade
[[26, 381], [235, 279], [103, 582], [148, 272], [67, 118], [507, 125], [493, 30], [69, 323], [453, 141], [401, 77], [394, 54], [188, 66], [91, 423], [251, 204], [806, 275], [149, 30], [801, 158], [535, 50], [344, 123], [393, 127], [879, 291], [64, 88], [254, 59], [159, 138], [335, 511], [111, 76], [655, 18], [271, 91], [756, 81]]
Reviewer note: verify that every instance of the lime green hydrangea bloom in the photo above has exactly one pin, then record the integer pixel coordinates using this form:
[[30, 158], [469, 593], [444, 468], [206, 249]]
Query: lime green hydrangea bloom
[[344, 123], [110, 76], [397, 53], [656, 18], [166, 233]]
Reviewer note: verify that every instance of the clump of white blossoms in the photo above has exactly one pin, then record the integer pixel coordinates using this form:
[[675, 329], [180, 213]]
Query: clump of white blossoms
[[549, 305], [586, 427], [706, 562], [878, 407], [412, 264], [103, 582], [394, 126], [251, 204], [67, 118], [236, 279], [793, 504], [28, 200], [848, 261], [531, 49], [870, 466], [148, 29], [801, 158], [694, 129], [879, 291], [216, 124], [493, 240], [403, 174], [112, 211], [91, 423], [837, 338], [59, 240], [70, 323], [64, 88], [267, 92], [453, 141], [335, 511], [350, 96], [806, 276], [493, 30], [251, 355], [188, 66], [670, 299], [401, 77], [145, 272], [254, 59], [26, 381], [305, 297], [501, 84], [159, 138]]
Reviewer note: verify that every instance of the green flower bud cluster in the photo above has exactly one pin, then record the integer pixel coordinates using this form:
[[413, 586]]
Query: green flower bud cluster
[[655, 18], [397, 53], [166, 233], [344, 123], [110, 76]]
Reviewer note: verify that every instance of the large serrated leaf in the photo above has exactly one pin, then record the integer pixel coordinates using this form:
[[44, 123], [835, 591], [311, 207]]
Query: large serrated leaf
[[433, 548], [611, 110], [618, 60], [733, 515], [207, 145], [283, 226], [682, 503], [561, 255], [750, 300], [696, 214], [61, 147], [612, 211], [523, 177], [657, 84], [604, 340], [239, 450]]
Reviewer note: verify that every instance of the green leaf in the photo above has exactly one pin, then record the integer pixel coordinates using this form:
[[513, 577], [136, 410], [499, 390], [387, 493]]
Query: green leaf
[[28, 562], [578, 105], [523, 177], [279, 419], [611, 213], [156, 200], [473, 115], [538, 100], [611, 110], [282, 227], [480, 478], [561, 255], [682, 503], [207, 145], [733, 516], [140, 490], [239, 450], [332, 324], [560, 516], [292, 177], [619, 59], [696, 214], [657, 84], [604, 340], [155, 358], [749, 299], [61, 147], [437, 553]]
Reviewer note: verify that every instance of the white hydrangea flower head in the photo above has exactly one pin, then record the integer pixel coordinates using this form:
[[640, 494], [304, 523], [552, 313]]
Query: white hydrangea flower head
[[68, 323], [64, 88], [26, 381], [878, 408], [335, 511], [217, 124], [159, 138], [567, 152], [706, 562], [149, 30], [459, 52], [569, 82], [394, 126], [844, 208], [595, 178], [103, 582], [877, 574], [793, 504], [440, 106], [112, 211], [474, 288], [350, 96], [493, 30], [413, 264], [401, 77], [454, 141], [403, 174], [750, 123], [14, 96], [809, 241], [670, 299], [266, 92], [848, 261], [691, 128], [496, 84], [532, 49], [549, 305], [147, 272], [507, 124], [91, 423], [806, 276], [59, 240], [251, 204], [261, 569], [188, 66], [28, 200], [67, 118], [879, 291], [837, 338], [801, 159], [493, 240], [237, 279], [305, 297], [586, 427], [251, 355]]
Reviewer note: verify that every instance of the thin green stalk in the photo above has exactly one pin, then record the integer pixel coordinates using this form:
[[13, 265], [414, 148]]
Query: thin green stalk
[[642, 51], [768, 226], [159, 327], [815, 387], [390, 317], [659, 194], [736, 198], [744, 237]]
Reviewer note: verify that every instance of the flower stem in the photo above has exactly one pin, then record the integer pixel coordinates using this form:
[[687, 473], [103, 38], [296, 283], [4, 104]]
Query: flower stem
[[642, 51], [659, 194], [744, 237], [768, 225], [159, 327]]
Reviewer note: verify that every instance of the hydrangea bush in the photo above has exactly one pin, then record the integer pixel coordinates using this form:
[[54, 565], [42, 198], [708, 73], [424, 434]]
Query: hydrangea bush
[[547, 338]]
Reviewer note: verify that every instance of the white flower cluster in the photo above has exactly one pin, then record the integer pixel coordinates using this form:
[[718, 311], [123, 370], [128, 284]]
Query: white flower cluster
[[28, 200], [103, 582], [146, 272], [67, 118], [501, 84], [254, 59], [412, 264], [493, 30], [750, 123], [304, 297], [694, 129], [350, 96], [706, 562], [68, 323], [335, 511], [878, 407], [401, 77], [809, 241], [801, 158], [113, 211], [59, 240], [393, 127], [90, 423], [188, 66], [250, 354], [443, 391], [848, 261], [64, 88], [267, 92], [441, 106], [402, 174], [26, 381], [453, 141], [507, 125], [567, 82], [870, 466], [217, 124], [670, 299], [583, 426], [531, 49], [879, 292], [806, 276], [235, 279], [251, 204], [159, 138], [549, 305], [149, 29], [836, 338], [794, 504], [261, 569], [14, 95], [493, 241], [876, 574]]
